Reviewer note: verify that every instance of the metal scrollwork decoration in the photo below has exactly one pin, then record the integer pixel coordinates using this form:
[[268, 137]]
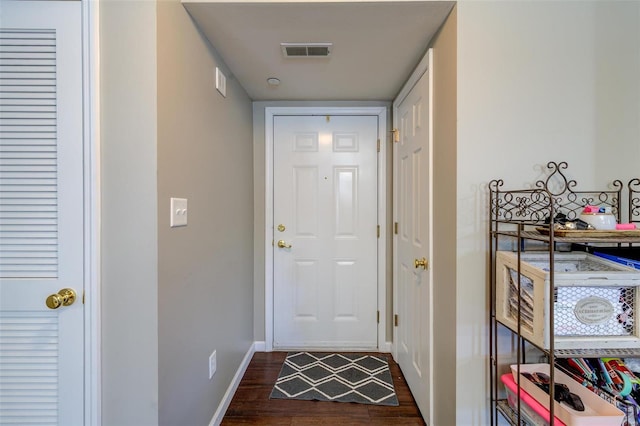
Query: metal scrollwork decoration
[[634, 200], [516, 205], [494, 202], [554, 194], [556, 183]]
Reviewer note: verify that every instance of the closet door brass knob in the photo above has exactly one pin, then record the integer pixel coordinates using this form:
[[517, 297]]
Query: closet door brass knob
[[64, 297], [424, 263]]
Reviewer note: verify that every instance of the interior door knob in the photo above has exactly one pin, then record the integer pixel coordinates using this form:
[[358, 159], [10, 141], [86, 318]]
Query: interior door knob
[[423, 263], [283, 244], [64, 297]]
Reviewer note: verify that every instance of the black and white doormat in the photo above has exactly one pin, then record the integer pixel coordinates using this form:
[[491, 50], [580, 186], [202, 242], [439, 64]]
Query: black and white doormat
[[365, 379]]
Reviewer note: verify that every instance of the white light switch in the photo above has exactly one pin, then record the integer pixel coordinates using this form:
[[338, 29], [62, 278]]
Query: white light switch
[[179, 212]]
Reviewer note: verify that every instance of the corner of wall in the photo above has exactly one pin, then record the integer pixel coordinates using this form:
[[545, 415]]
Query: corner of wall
[[129, 262], [444, 208]]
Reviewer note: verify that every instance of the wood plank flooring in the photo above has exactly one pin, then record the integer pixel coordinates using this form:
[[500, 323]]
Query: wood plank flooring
[[251, 403]]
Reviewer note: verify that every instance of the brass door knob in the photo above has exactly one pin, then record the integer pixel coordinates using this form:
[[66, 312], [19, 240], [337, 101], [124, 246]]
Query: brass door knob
[[64, 297], [421, 263], [283, 244]]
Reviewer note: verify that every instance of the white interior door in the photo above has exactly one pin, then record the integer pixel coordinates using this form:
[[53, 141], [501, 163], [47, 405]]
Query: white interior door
[[41, 212], [325, 215], [412, 242]]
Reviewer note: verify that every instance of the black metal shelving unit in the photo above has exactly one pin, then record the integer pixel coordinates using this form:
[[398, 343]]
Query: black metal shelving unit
[[515, 218]]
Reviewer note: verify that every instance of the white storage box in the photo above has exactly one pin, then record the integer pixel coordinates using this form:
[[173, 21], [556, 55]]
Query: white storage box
[[594, 306], [597, 411]]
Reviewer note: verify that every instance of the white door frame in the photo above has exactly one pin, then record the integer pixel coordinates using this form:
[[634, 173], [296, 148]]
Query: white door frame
[[426, 64], [91, 172], [270, 113]]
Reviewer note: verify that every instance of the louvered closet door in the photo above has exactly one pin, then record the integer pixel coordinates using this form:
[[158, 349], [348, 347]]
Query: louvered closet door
[[41, 212]]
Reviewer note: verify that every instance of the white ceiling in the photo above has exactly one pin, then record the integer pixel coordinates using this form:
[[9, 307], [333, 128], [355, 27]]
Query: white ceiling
[[376, 44]]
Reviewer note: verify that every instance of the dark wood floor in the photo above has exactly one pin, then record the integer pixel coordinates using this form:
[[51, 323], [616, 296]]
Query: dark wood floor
[[251, 403]]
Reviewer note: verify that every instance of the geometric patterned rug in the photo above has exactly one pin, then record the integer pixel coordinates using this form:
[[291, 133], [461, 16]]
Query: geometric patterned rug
[[365, 379]]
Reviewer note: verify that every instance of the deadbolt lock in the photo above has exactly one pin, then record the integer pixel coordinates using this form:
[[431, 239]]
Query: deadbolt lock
[[281, 228]]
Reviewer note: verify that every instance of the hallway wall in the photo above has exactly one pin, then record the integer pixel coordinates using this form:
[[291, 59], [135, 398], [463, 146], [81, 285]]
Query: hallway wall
[[205, 278], [171, 296], [537, 82]]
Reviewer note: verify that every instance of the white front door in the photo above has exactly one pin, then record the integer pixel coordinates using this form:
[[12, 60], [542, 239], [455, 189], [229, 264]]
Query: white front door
[[325, 232], [412, 242], [41, 213]]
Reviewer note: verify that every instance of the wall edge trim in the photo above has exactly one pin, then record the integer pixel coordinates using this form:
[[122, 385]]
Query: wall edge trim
[[233, 386]]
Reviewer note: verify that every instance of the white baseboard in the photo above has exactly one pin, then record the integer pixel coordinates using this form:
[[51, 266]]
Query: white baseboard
[[261, 346], [233, 386], [386, 347]]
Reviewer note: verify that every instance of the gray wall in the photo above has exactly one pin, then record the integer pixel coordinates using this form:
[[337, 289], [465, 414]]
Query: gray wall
[[259, 205], [171, 296], [537, 82], [205, 276], [129, 211]]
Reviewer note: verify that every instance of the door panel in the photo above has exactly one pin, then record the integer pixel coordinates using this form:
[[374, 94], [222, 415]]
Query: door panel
[[413, 302], [325, 196], [305, 209], [41, 212], [345, 289], [346, 202], [305, 286]]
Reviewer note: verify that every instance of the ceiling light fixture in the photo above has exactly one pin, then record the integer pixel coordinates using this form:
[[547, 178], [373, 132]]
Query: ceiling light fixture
[[273, 82]]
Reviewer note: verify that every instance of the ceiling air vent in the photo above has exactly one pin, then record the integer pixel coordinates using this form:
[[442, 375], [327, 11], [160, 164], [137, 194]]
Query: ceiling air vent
[[306, 50]]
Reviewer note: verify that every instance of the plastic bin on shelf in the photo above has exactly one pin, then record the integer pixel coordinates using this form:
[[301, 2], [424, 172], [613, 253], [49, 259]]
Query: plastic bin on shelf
[[532, 413], [635, 264], [597, 412]]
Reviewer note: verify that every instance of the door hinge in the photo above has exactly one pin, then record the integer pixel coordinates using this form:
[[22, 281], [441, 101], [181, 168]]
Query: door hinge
[[395, 228], [396, 135], [395, 320], [378, 317], [83, 297], [378, 231], [378, 145]]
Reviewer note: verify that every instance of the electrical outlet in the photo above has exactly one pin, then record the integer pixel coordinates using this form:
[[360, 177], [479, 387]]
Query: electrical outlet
[[212, 364]]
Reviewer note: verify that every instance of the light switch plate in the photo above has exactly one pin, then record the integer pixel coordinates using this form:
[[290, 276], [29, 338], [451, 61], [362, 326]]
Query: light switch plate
[[179, 212], [221, 82], [213, 364]]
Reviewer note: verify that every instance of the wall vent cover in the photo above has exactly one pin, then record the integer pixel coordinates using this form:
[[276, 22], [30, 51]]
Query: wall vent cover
[[306, 50]]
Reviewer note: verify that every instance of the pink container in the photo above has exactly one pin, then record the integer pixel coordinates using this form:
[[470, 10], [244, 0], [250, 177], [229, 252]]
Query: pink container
[[531, 410]]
